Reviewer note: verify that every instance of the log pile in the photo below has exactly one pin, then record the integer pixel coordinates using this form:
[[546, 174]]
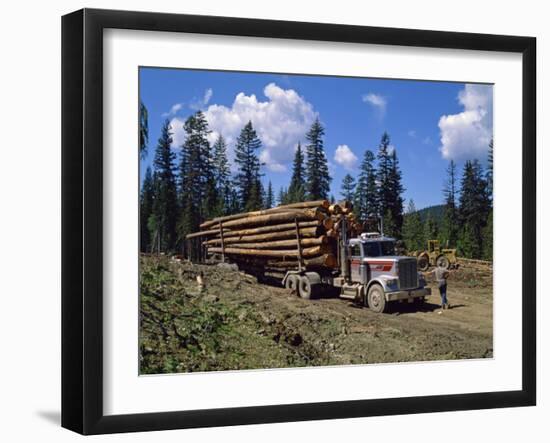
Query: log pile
[[284, 237]]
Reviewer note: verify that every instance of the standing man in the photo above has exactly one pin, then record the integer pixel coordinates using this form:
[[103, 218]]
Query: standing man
[[440, 274]]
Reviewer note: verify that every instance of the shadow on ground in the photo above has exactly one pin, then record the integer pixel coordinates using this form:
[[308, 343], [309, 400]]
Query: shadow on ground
[[53, 417]]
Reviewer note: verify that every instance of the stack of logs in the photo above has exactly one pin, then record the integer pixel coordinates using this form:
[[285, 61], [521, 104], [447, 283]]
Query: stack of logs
[[289, 236]]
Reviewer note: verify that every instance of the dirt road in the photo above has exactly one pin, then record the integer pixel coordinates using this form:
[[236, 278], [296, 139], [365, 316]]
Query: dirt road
[[233, 322]]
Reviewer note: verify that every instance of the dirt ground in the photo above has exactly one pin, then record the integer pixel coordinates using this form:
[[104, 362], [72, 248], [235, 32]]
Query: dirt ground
[[234, 322]]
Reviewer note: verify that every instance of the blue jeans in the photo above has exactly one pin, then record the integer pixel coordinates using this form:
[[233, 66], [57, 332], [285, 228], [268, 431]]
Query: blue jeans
[[443, 293]]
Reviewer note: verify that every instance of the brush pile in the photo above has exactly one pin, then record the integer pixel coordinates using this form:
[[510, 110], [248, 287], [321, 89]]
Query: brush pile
[[282, 237]]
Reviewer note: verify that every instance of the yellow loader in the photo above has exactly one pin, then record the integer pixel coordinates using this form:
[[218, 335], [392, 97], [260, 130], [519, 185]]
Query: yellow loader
[[435, 256]]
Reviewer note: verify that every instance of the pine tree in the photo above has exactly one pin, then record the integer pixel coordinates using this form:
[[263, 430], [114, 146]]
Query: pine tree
[[199, 197], [222, 176], [390, 188], [234, 203], [389, 224], [153, 223], [488, 230], [366, 192], [488, 238], [449, 230], [317, 175], [208, 176], [468, 242], [383, 174], [269, 197], [248, 176], [348, 187], [165, 206], [296, 190], [283, 196], [473, 211], [431, 229], [489, 175], [262, 192], [143, 129], [146, 200], [396, 190], [413, 234], [257, 196]]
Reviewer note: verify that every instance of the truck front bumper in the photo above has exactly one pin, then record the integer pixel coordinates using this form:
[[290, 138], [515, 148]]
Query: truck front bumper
[[409, 294]]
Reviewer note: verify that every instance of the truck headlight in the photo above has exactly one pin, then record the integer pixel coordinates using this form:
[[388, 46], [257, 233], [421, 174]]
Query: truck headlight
[[392, 281], [421, 279]]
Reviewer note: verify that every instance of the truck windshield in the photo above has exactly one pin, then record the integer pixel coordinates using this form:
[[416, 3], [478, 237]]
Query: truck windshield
[[387, 247], [378, 248], [372, 249]]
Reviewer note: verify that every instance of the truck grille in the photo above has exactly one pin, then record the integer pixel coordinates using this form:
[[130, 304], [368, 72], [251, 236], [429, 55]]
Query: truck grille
[[408, 275]]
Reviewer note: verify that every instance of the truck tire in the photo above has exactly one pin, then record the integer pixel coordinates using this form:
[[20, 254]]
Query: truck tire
[[306, 289], [423, 262], [291, 282], [376, 300], [443, 262]]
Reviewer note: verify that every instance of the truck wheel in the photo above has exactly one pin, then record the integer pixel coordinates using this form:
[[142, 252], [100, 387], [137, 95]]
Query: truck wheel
[[306, 289], [291, 283], [376, 300], [443, 262], [423, 262]]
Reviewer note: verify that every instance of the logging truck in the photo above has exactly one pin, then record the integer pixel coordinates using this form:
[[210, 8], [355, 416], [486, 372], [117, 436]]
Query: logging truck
[[312, 246]]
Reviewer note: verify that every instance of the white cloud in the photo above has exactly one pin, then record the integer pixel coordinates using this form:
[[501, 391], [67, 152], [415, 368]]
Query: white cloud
[[345, 157], [178, 134], [207, 95], [466, 135], [377, 101], [412, 133], [202, 102], [173, 110], [196, 104], [281, 122]]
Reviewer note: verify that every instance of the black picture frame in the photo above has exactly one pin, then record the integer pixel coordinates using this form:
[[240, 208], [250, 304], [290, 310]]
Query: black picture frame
[[82, 215]]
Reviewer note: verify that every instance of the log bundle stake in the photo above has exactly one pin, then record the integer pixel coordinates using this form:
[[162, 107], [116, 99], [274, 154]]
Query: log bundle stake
[[300, 261], [223, 244]]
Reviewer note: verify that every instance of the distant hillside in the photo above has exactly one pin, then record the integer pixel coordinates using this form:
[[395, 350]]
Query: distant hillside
[[436, 211]]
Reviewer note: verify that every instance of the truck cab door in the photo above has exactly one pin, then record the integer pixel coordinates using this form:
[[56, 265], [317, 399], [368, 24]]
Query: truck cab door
[[356, 259]]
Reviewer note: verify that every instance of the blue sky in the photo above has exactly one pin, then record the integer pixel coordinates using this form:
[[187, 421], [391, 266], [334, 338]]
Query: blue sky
[[428, 122]]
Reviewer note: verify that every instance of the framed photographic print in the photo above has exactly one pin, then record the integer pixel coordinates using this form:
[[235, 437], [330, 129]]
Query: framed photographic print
[[270, 221]]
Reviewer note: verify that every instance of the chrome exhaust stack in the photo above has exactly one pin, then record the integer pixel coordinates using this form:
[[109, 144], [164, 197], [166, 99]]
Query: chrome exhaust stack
[[344, 258]]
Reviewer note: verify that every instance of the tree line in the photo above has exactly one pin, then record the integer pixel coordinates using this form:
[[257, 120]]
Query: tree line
[[182, 190], [467, 222]]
